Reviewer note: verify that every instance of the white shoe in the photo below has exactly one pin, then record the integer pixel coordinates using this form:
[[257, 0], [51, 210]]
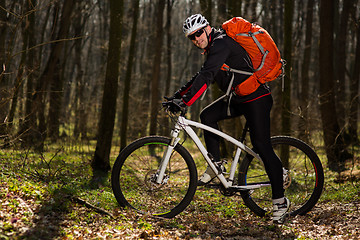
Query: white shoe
[[208, 176], [280, 211]]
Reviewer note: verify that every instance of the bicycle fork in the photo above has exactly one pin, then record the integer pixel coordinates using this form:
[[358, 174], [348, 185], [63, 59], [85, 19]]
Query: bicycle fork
[[167, 154]]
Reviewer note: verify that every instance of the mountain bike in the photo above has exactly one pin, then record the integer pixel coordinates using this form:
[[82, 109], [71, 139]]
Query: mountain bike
[[157, 175]]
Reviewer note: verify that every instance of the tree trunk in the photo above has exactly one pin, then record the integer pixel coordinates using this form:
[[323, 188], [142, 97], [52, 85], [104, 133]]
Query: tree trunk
[[80, 102], [155, 78], [169, 5], [354, 92], [101, 159], [143, 62], [4, 96], [304, 100], [29, 118], [50, 72], [53, 74], [286, 95], [276, 86], [333, 141], [129, 69], [19, 77], [253, 5], [234, 8], [206, 7], [341, 63], [222, 13]]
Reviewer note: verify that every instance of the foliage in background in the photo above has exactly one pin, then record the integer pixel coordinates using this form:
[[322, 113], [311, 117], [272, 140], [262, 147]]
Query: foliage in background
[[37, 104]]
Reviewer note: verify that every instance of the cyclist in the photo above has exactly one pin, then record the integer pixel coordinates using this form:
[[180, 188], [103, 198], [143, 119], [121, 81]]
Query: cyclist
[[219, 49]]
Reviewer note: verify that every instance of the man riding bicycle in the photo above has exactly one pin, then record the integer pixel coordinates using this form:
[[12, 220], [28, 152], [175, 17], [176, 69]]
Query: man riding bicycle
[[221, 49]]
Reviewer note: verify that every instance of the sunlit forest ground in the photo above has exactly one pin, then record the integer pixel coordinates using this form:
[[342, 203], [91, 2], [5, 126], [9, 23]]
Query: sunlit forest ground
[[54, 196]]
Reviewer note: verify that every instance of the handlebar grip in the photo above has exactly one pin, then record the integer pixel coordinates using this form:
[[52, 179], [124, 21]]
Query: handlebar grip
[[173, 107]]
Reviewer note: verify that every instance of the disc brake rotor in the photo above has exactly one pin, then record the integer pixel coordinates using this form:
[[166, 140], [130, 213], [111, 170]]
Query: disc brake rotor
[[150, 180]]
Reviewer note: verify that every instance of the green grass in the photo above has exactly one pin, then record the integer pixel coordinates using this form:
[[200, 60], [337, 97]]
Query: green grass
[[339, 190], [54, 175], [36, 188]]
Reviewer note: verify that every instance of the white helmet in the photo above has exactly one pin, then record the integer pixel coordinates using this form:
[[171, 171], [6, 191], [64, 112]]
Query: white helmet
[[193, 23]]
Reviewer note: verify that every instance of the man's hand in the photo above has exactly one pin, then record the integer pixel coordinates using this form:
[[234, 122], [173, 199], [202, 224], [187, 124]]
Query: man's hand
[[176, 95], [179, 103], [175, 105]]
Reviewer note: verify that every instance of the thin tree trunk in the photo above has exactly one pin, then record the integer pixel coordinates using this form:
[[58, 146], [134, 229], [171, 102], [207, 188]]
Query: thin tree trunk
[[145, 60], [286, 95], [276, 87], [169, 5], [273, 29], [54, 73], [253, 5], [222, 13], [206, 7], [234, 8], [80, 103], [18, 79], [332, 138], [29, 118], [341, 63], [354, 92], [304, 100], [101, 160], [156, 67], [129, 69], [4, 96], [247, 9]]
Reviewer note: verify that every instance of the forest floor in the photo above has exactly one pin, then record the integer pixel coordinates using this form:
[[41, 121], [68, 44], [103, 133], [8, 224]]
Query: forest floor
[[33, 221], [38, 205]]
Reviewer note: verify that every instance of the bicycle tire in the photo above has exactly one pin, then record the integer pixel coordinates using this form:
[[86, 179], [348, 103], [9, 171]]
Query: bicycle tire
[[303, 187], [135, 166]]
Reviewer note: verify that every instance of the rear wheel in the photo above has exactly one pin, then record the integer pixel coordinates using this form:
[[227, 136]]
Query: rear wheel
[[303, 177], [135, 171]]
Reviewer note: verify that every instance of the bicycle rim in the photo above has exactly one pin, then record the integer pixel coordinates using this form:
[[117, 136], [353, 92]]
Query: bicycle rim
[[304, 182], [135, 170]]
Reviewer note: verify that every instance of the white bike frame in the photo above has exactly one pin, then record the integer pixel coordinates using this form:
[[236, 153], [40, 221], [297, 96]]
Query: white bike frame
[[185, 124]]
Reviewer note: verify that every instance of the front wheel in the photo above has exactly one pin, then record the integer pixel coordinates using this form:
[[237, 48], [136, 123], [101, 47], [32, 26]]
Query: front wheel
[[303, 177], [134, 174]]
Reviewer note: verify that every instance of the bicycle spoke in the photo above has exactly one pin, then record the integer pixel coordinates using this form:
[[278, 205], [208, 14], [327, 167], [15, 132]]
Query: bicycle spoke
[[134, 178], [303, 177]]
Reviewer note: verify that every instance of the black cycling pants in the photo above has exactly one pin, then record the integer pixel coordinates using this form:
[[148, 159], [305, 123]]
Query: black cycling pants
[[257, 114]]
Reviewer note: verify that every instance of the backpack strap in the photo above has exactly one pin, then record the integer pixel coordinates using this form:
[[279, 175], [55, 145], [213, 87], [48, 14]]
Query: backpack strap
[[252, 35], [230, 85], [228, 91], [227, 68], [258, 44]]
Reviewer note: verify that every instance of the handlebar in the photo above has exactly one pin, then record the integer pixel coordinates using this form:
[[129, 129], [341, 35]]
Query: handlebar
[[171, 106]]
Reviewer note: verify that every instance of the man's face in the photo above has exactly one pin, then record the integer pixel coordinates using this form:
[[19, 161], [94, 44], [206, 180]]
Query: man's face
[[199, 37]]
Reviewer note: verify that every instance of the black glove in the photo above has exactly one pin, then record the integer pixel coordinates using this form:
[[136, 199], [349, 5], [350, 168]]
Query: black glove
[[179, 103], [176, 95], [175, 105]]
